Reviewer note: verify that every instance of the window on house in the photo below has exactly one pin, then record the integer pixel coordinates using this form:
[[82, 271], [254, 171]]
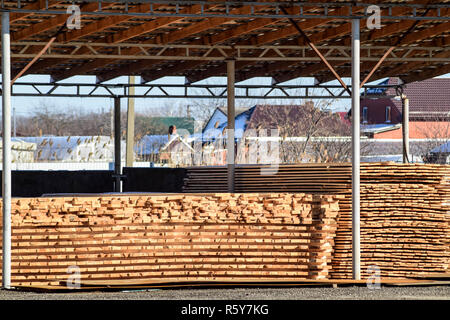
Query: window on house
[[364, 114], [388, 114]]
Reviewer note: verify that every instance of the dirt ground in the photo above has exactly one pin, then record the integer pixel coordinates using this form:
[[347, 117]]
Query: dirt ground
[[299, 293]]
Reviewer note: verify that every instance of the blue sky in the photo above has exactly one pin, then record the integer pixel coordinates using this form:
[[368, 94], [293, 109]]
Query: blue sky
[[28, 105]]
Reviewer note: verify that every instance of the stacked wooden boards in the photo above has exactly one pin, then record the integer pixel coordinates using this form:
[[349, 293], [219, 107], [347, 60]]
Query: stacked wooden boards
[[405, 213], [170, 237], [308, 178], [405, 222], [230, 237]]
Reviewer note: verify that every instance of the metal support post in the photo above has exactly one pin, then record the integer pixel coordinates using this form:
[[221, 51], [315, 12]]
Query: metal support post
[[230, 126], [405, 128], [117, 146], [356, 249], [130, 124], [6, 172]]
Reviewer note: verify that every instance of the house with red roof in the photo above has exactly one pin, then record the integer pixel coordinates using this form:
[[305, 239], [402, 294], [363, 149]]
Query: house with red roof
[[429, 111]]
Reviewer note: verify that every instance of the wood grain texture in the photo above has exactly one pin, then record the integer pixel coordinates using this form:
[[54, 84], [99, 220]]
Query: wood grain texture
[[160, 237], [405, 210]]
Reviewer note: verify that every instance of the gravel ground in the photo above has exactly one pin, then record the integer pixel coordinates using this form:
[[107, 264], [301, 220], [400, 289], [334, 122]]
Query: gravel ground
[[342, 293]]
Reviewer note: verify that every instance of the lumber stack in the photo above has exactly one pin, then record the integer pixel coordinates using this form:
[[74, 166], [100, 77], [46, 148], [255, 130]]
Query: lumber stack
[[405, 210], [307, 178], [405, 229], [177, 237], [405, 222]]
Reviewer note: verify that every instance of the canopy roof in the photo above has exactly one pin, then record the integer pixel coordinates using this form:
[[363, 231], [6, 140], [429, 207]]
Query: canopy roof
[[154, 39]]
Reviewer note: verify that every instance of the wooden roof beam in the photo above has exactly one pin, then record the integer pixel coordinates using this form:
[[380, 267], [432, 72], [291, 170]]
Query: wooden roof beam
[[137, 67], [149, 26], [51, 23], [44, 63], [341, 30], [400, 70], [163, 72], [211, 40], [325, 35], [166, 39], [38, 5], [427, 33], [278, 35], [38, 66], [408, 68], [311, 23], [431, 73], [410, 72], [260, 40], [405, 67], [100, 25], [412, 38], [376, 34], [106, 23], [398, 27], [92, 65]]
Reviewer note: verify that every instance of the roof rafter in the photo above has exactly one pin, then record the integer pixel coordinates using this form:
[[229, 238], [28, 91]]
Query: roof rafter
[[172, 37], [216, 39], [260, 40], [211, 40], [404, 68], [42, 64], [414, 37], [49, 24], [38, 5], [181, 39], [430, 73], [316, 38], [376, 34], [275, 35], [101, 25]]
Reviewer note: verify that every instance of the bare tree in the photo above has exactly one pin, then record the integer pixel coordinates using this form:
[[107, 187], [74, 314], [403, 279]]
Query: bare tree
[[436, 132], [307, 132]]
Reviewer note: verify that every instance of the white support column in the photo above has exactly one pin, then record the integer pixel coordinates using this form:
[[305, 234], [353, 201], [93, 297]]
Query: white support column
[[356, 249], [405, 128], [117, 146], [130, 125], [230, 127], [6, 149]]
